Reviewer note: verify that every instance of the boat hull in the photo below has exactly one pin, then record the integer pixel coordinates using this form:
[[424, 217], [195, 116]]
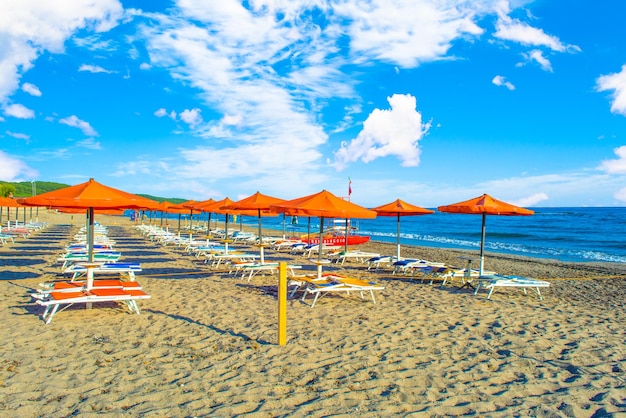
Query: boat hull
[[339, 240]]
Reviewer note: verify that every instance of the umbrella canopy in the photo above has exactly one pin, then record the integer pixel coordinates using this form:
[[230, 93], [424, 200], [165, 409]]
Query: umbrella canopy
[[259, 203], [400, 208], [485, 205], [10, 203], [90, 196], [216, 207], [324, 205], [202, 206]]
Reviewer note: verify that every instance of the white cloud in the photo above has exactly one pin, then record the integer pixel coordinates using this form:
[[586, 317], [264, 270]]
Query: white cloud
[[90, 143], [617, 166], [159, 113], [75, 122], [19, 111], [393, 132], [617, 84], [18, 135], [31, 89], [501, 81], [28, 28], [537, 56], [94, 69], [407, 33], [145, 66], [531, 200], [12, 169], [191, 117], [517, 31], [620, 195], [232, 120]]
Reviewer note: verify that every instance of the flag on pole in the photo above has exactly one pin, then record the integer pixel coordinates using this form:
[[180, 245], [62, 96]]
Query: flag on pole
[[349, 187]]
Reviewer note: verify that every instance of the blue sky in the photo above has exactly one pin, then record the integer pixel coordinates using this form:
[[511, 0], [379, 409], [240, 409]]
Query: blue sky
[[430, 101]]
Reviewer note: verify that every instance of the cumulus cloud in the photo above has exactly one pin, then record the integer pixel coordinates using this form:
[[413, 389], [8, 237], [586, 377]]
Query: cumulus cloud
[[19, 111], [28, 28], [94, 69], [75, 122], [387, 132], [407, 33], [616, 83], [531, 200], [12, 169], [191, 117], [617, 166], [501, 81], [31, 89]]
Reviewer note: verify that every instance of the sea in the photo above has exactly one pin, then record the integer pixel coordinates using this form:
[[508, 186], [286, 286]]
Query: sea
[[579, 234]]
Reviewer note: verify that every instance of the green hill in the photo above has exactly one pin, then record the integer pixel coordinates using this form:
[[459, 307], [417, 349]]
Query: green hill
[[27, 189]]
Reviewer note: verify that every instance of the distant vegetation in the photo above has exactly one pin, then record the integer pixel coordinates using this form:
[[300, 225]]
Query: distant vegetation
[[26, 189], [161, 199]]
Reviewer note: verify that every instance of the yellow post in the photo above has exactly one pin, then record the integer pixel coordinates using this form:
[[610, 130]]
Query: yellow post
[[282, 303]]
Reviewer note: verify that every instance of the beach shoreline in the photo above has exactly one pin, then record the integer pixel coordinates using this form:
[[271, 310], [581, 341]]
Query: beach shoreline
[[205, 343]]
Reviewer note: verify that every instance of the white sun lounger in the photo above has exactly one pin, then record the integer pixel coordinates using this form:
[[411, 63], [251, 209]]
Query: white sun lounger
[[332, 284], [254, 268], [356, 255], [129, 269], [54, 300], [491, 282]]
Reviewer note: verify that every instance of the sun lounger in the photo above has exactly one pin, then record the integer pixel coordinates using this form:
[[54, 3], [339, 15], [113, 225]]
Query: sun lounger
[[216, 259], [54, 300], [253, 268], [74, 286], [331, 283], [103, 256], [491, 282], [356, 255], [4, 238], [411, 266], [128, 269]]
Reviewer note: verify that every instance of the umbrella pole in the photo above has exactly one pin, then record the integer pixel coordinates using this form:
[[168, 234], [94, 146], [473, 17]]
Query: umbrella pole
[[226, 234], [261, 238], [90, 234], [319, 249], [482, 246], [345, 246], [190, 225], [398, 239], [308, 231], [208, 229]]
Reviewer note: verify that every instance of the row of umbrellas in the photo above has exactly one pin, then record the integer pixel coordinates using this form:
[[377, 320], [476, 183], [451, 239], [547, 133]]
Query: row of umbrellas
[[92, 196]]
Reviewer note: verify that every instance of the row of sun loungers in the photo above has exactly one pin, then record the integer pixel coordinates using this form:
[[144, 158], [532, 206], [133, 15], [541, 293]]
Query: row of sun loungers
[[58, 296], [66, 294]]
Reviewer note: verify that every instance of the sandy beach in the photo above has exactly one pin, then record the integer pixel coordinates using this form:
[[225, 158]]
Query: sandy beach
[[205, 344]]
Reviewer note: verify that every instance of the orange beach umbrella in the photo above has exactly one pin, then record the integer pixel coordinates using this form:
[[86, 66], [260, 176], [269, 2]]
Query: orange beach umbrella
[[485, 205], [260, 203], [90, 196], [324, 205], [400, 208]]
